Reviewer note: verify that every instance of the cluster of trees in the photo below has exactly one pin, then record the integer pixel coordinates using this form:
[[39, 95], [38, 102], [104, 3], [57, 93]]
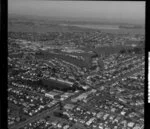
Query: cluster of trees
[[136, 50], [61, 115]]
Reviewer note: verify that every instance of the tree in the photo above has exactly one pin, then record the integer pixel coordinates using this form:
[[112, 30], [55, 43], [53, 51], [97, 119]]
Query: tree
[[122, 51]]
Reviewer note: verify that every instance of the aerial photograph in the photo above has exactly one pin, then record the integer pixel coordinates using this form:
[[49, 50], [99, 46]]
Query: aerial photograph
[[76, 64]]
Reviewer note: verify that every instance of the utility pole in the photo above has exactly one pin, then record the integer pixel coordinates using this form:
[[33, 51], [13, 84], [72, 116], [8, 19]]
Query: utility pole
[[60, 106]]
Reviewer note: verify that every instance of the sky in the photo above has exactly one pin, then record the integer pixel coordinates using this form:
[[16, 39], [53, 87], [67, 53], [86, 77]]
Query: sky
[[120, 11]]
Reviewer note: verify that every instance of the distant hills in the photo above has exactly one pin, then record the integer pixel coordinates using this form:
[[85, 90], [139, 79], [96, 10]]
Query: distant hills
[[130, 26]]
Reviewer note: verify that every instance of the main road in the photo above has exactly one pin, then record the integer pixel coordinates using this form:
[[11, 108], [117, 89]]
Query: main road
[[43, 113], [55, 106]]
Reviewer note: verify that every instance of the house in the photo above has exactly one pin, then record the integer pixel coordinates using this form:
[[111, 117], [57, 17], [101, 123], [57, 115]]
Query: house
[[90, 121], [51, 94], [69, 106]]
